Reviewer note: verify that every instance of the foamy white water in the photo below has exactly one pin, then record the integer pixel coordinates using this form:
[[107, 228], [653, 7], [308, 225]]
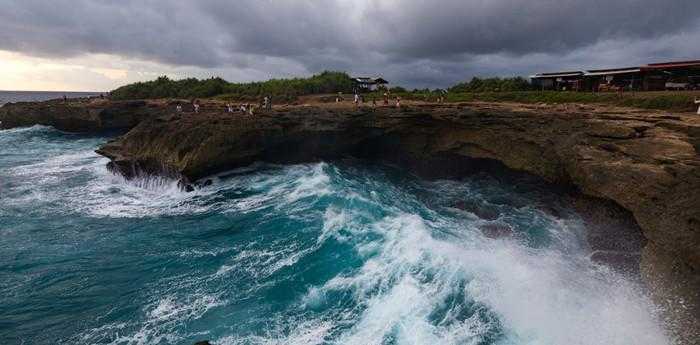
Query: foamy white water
[[305, 254]]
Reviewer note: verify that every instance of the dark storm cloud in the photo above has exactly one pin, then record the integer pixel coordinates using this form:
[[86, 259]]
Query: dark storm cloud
[[416, 42], [435, 29]]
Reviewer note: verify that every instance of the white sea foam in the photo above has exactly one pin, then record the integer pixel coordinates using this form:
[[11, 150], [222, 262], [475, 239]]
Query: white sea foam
[[306, 333], [160, 322], [538, 296], [422, 281], [315, 184], [105, 194]]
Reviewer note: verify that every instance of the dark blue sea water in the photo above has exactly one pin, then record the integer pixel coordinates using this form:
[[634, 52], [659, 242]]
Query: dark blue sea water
[[325, 253], [37, 96]]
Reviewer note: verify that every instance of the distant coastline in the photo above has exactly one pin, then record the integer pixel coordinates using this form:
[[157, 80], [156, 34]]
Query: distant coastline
[[38, 96]]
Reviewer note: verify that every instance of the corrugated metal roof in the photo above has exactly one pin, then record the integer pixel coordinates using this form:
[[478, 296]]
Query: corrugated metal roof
[[649, 67], [677, 64], [556, 75], [594, 73]]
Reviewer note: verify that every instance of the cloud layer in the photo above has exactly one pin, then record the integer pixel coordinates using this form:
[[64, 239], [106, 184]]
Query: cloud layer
[[418, 43]]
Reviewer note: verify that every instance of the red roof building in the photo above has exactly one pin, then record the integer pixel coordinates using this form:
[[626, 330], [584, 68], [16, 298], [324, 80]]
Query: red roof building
[[675, 75]]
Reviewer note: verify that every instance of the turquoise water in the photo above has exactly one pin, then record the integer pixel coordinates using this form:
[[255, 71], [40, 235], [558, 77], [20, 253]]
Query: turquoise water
[[324, 253]]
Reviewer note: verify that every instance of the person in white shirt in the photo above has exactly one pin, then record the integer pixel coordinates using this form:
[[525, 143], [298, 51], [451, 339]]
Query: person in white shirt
[[697, 101], [195, 105]]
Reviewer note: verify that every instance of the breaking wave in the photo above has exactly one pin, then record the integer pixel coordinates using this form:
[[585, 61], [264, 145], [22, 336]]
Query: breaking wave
[[342, 253]]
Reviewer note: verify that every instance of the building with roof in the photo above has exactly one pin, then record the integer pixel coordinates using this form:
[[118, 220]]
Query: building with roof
[[682, 75], [672, 75], [571, 80], [367, 84], [614, 79]]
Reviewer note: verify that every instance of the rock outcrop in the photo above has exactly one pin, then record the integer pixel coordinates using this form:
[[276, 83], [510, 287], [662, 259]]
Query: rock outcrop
[[81, 115], [645, 162]]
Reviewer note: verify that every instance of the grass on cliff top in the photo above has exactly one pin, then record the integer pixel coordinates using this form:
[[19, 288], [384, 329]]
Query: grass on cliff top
[[660, 100]]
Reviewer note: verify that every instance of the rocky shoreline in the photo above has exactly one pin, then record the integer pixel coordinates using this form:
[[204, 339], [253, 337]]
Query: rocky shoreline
[[644, 164]]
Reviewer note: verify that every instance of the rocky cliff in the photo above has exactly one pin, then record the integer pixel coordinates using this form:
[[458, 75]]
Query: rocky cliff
[[646, 163], [81, 115]]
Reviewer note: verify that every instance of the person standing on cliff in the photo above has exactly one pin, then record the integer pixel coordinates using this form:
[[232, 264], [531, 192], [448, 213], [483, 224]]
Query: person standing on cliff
[[269, 102], [398, 102]]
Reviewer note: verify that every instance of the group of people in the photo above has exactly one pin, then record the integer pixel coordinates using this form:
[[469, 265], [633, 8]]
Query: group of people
[[195, 106], [246, 108], [387, 97], [360, 99]]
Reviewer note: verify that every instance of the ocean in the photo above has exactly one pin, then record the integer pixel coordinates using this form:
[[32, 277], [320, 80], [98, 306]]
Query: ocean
[[37, 96], [343, 252]]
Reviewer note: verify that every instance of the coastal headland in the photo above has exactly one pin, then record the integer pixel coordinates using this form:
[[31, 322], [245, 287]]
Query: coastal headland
[[642, 164]]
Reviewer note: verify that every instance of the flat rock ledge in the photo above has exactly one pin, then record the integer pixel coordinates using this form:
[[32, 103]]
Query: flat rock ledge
[[644, 162]]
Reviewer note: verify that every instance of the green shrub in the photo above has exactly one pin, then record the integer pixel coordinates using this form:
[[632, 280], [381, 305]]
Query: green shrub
[[164, 87], [492, 85]]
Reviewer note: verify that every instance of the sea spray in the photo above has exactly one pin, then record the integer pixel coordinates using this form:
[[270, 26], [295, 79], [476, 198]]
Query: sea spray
[[325, 253]]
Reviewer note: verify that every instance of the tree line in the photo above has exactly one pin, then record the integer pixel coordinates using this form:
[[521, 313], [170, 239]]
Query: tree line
[[323, 83], [493, 85], [164, 87]]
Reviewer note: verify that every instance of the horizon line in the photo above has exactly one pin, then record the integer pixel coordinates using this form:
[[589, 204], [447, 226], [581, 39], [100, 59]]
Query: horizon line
[[54, 91]]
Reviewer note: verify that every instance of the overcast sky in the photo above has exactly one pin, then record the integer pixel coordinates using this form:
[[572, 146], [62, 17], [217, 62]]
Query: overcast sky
[[99, 44]]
